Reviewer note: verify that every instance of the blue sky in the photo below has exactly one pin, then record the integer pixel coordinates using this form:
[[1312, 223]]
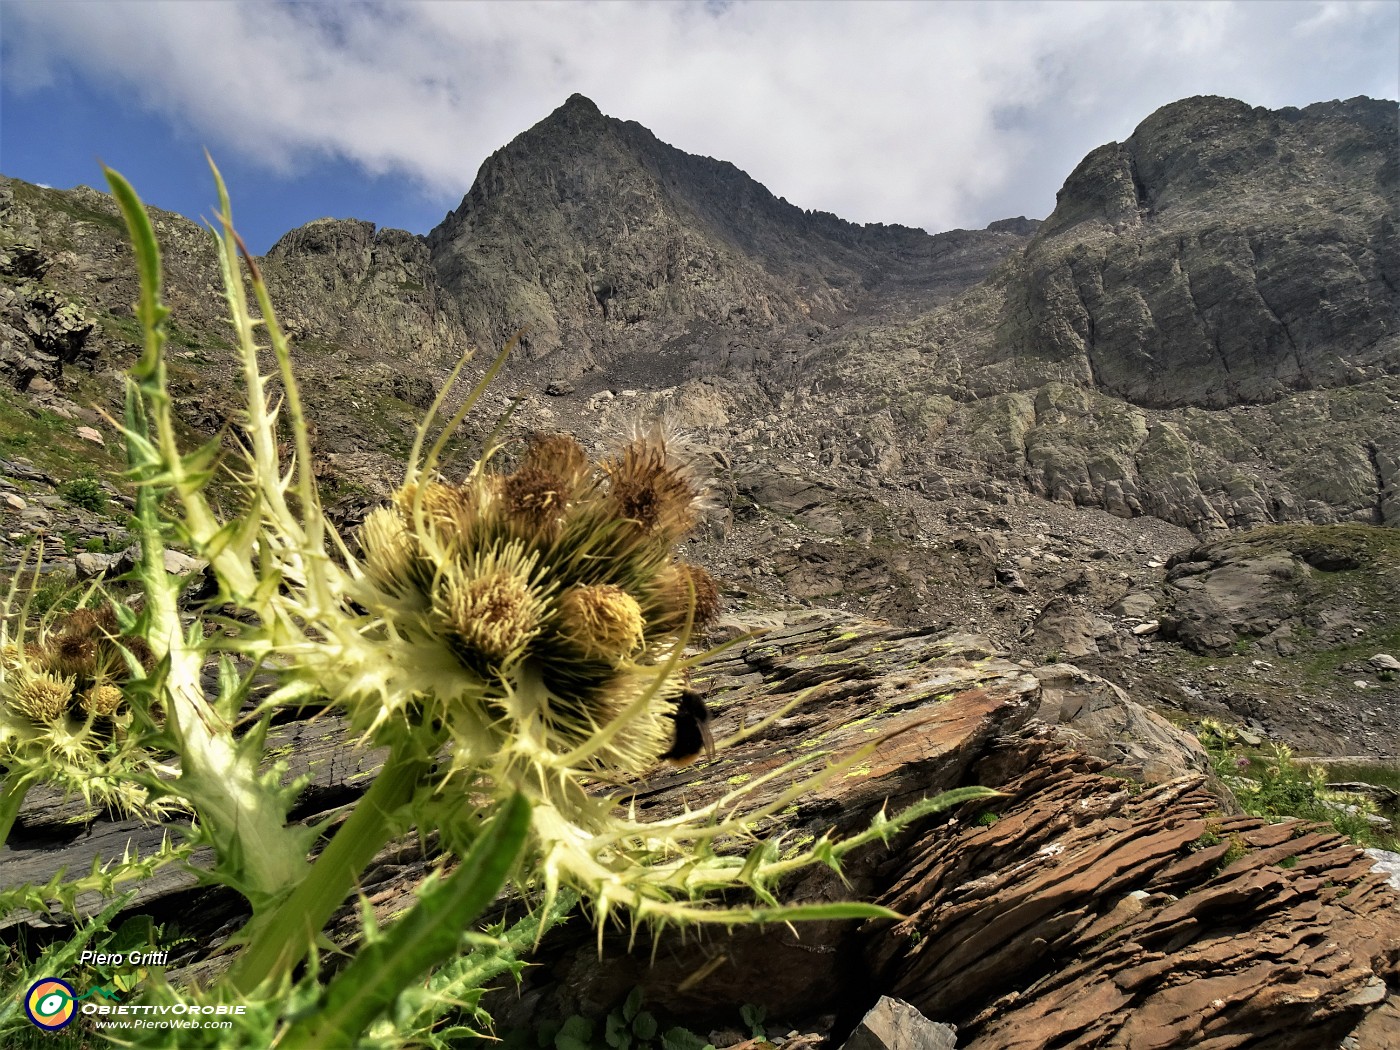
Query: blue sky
[[932, 115], [56, 135]]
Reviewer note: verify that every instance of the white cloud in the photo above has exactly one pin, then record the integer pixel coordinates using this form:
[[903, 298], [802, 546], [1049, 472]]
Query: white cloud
[[934, 115]]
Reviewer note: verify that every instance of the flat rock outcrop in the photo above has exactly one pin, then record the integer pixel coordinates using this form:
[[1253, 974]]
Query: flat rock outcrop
[[1285, 588]]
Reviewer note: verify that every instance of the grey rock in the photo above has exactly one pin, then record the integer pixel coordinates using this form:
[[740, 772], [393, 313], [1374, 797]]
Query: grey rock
[[1010, 578], [1065, 629], [90, 564], [177, 563], [892, 1024], [1386, 863], [1091, 714], [1135, 605], [1384, 662], [1274, 587]]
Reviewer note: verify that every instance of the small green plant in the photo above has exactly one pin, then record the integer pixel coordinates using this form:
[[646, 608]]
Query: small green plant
[[631, 1026], [53, 592], [988, 819], [85, 491], [1206, 839], [1268, 782], [753, 1016], [1237, 848]]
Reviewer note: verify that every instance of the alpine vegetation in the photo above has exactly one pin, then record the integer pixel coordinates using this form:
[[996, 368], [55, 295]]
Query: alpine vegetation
[[516, 638]]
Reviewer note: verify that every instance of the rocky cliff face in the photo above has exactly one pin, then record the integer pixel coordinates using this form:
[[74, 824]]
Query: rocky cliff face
[[1204, 330], [1222, 255], [603, 241]]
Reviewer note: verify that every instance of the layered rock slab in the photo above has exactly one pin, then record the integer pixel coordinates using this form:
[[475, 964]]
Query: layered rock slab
[[1092, 913]]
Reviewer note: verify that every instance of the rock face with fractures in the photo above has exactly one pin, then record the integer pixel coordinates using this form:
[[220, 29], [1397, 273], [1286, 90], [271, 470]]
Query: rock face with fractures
[[1094, 914], [1081, 909], [1203, 330]]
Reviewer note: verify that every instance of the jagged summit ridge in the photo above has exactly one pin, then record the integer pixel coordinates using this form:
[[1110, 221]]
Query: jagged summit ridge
[[585, 226]]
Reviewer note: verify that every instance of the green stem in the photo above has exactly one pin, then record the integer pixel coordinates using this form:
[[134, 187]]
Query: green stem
[[428, 935], [12, 792], [288, 933]]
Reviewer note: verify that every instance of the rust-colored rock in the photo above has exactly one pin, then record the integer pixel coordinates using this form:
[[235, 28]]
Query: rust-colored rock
[[1095, 914]]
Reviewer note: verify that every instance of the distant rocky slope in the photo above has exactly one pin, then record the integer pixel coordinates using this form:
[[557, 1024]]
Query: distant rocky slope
[[1204, 330], [602, 240]]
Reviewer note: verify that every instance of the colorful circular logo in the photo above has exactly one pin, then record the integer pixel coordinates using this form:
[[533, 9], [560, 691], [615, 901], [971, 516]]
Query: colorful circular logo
[[50, 1003]]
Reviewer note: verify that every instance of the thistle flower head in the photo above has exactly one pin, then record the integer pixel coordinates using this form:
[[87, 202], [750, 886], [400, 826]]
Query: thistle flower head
[[490, 608], [73, 653], [68, 671], [535, 499], [390, 555], [104, 701], [562, 457], [41, 696], [602, 621], [684, 592], [526, 601], [650, 489]]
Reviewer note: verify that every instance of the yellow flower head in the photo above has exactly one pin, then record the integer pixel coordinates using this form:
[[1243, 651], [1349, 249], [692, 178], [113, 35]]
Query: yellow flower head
[[490, 610], [601, 621], [103, 700], [448, 509], [389, 551], [42, 697]]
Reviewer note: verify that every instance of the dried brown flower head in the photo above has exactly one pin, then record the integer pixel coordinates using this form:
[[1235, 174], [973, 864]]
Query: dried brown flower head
[[647, 489]]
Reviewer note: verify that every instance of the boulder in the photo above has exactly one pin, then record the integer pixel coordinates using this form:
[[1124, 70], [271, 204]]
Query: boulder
[[893, 1024], [1066, 630], [1091, 714]]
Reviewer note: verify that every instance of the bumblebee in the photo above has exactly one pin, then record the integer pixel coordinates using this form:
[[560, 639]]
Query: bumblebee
[[693, 734]]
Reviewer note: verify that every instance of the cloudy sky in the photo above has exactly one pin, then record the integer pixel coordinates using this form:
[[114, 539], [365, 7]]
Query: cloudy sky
[[930, 114]]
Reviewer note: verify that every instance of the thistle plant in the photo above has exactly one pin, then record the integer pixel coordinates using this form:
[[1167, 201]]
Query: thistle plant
[[66, 711], [516, 637]]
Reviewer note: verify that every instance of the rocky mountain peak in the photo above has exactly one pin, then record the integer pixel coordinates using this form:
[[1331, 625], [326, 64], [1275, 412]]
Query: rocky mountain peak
[[594, 236], [579, 107]]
